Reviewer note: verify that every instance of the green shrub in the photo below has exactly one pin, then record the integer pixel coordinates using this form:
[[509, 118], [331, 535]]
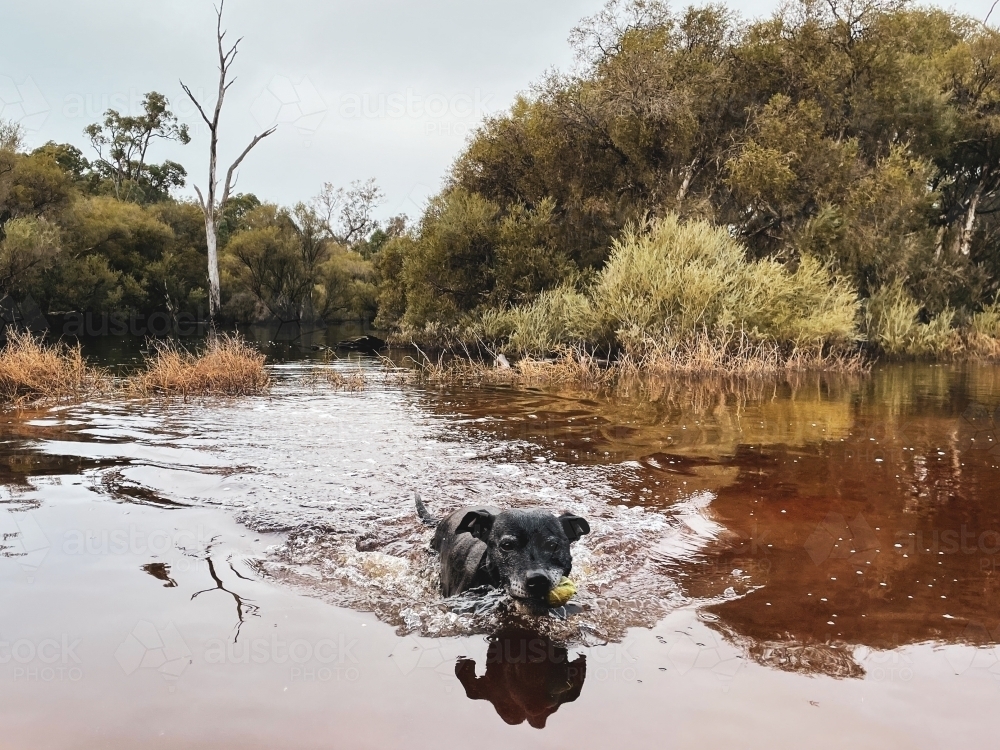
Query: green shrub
[[469, 255], [892, 323], [562, 316], [672, 281], [986, 322]]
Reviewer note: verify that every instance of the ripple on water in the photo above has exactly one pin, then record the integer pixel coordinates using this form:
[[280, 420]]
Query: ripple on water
[[807, 517], [337, 471]]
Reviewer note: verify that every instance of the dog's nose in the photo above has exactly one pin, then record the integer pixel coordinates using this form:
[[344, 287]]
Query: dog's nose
[[538, 584]]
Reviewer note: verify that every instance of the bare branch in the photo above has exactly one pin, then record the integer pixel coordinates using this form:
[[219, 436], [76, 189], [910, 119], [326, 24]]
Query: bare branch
[[197, 104], [209, 204], [230, 56], [201, 198], [229, 175]]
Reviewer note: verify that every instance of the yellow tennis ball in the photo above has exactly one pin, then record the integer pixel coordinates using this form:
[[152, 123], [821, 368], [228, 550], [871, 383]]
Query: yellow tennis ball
[[562, 592]]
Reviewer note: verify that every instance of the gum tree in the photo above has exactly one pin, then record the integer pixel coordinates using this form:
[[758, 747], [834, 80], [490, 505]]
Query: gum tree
[[213, 201], [122, 144]]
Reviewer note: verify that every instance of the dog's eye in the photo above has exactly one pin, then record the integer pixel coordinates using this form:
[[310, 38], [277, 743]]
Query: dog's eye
[[551, 546], [508, 544]]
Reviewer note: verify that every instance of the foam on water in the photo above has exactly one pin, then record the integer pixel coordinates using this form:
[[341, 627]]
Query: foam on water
[[337, 471]]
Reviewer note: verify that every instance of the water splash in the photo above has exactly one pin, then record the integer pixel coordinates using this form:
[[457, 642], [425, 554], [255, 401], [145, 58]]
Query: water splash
[[335, 472]]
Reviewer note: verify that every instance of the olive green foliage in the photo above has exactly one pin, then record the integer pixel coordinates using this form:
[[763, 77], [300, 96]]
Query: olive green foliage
[[469, 254], [855, 140], [892, 320], [675, 280], [117, 257], [107, 237], [83, 237], [76, 249], [284, 265], [28, 249], [680, 277], [122, 144]]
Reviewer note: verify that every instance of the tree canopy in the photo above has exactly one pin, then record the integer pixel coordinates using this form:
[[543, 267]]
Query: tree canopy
[[862, 134]]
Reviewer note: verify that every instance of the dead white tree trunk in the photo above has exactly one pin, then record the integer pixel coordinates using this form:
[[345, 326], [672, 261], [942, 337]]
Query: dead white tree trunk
[[686, 183], [212, 206], [965, 232]]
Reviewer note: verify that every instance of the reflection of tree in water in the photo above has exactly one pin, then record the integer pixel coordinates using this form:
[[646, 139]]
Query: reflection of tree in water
[[528, 677], [161, 572], [830, 659], [882, 539], [244, 607]]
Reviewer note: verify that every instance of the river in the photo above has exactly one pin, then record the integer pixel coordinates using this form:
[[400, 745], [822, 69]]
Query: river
[[811, 559]]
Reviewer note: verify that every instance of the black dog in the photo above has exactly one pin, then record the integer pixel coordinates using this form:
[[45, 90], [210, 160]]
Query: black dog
[[525, 552]]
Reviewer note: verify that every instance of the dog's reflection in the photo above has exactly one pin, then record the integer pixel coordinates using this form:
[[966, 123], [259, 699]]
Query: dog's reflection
[[527, 677]]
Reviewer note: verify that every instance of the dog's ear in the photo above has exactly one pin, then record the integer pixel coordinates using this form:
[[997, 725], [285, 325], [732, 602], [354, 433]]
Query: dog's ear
[[479, 523], [574, 526]]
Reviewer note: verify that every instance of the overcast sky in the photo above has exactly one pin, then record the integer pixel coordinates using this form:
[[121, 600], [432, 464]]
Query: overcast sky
[[369, 88]]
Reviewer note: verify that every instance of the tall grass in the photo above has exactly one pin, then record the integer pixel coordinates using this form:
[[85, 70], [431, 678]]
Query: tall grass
[[982, 335], [892, 323], [557, 318], [340, 380], [573, 367], [734, 353], [225, 366], [31, 370]]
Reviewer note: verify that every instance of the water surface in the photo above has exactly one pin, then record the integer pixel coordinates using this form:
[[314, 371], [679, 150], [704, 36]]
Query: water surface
[[812, 558]]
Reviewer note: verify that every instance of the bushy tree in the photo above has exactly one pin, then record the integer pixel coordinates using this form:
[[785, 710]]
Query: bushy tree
[[122, 145], [470, 254], [291, 265], [858, 133]]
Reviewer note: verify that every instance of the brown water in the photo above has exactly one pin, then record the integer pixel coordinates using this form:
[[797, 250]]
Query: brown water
[[772, 564]]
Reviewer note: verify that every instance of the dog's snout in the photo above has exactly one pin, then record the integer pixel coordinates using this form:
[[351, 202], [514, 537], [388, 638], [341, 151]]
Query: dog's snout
[[538, 584]]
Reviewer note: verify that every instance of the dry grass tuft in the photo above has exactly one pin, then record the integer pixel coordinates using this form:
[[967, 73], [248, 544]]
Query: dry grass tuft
[[736, 353], [642, 369], [338, 379], [573, 367], [227, 366], [32, 371]]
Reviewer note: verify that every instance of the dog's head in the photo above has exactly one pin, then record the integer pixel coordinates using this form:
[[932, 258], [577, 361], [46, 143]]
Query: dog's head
[[528, 549]]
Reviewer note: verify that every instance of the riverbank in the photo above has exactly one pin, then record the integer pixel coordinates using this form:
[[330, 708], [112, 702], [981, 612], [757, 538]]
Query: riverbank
[[684, 297]]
